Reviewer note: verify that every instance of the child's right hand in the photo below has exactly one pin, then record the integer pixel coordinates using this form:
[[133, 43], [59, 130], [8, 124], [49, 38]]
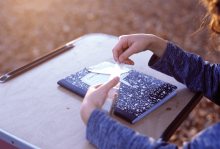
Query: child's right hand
[[135, 43]]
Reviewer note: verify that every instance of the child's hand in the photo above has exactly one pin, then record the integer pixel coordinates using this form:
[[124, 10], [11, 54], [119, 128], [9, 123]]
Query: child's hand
[[131, 44], [95, 98]]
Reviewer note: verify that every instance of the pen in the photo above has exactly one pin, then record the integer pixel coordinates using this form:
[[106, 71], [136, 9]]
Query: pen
[[45, 57]]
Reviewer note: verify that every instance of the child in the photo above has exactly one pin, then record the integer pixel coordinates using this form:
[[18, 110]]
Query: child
[[185, 67]]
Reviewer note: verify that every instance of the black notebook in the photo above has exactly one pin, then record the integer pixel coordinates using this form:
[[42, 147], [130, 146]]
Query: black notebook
[[139, 93]]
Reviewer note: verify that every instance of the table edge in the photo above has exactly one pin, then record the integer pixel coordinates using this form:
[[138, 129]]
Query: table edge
[[174, 125]]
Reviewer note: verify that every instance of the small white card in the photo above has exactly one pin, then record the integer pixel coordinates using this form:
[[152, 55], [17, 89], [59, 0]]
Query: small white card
[[100, 74], [94, 78], [97, 78]]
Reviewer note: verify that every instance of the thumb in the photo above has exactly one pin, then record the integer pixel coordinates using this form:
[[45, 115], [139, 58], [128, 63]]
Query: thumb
[[110, 84]]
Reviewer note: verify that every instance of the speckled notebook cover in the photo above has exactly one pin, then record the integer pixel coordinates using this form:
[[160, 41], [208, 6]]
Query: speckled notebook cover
[[138, 97]]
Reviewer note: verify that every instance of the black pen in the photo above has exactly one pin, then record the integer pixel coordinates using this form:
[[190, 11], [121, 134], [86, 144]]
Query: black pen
[[45, 57]]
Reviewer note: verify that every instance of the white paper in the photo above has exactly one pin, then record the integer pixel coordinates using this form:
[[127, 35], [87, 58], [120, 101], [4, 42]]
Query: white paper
[[116, 72], [95, 78]]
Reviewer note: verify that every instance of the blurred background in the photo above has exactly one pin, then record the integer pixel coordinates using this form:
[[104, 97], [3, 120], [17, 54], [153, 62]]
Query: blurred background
[[30, 29]]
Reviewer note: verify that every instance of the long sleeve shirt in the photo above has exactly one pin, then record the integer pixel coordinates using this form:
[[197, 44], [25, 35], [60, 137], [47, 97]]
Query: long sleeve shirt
[[187, 68]]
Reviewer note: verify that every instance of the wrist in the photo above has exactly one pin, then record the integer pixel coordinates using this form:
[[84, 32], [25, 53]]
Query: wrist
[[158, 46], [85, 112]]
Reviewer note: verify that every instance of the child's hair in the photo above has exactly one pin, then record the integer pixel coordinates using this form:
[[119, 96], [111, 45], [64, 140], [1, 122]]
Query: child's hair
[[214, 11]]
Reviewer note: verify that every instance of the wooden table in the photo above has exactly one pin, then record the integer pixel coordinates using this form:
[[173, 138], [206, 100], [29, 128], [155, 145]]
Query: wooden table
[[36, 109]]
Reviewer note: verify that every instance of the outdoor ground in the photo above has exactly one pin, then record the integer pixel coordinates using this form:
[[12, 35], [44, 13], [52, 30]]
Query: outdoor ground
[[29, 29]]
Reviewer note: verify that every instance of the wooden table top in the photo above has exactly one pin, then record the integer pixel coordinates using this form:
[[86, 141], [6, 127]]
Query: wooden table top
[[36, 109]]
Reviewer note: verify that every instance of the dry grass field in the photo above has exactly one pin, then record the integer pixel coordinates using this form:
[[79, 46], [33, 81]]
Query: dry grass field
[[29, 29]]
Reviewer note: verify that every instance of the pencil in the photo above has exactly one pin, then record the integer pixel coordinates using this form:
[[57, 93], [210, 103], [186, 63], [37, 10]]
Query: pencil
[[36, 62]]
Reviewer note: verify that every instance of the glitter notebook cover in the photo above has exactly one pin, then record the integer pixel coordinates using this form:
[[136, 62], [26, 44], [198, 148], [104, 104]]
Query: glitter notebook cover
[[139, 93]]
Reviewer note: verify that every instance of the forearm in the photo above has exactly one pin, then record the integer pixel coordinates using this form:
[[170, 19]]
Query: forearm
[[104, 132], [190, 70]]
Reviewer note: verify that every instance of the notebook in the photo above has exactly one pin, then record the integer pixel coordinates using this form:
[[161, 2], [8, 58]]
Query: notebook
[[139, 93]]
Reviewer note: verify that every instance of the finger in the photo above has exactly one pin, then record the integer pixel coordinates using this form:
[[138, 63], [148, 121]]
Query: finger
[[91, 89], [129, 62], [117, 51], [126, 54], [110, 84], [96, 86], [119, 47]]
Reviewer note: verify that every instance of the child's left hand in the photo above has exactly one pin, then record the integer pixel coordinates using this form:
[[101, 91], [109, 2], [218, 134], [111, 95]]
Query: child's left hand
[[95, 98]]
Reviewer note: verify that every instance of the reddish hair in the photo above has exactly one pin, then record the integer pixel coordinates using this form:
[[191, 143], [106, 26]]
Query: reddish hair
[[214, 11]]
